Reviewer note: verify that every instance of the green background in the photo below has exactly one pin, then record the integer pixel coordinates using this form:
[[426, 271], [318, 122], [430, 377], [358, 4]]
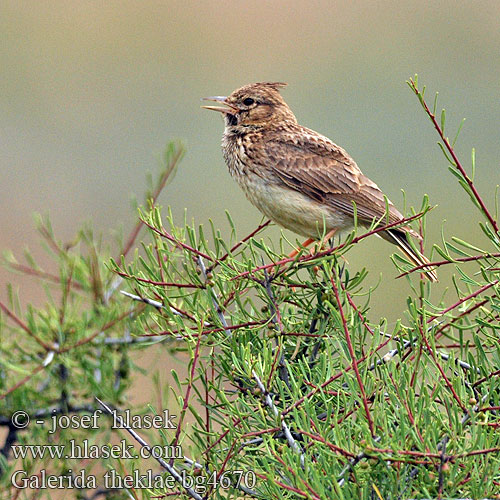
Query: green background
[[91, 92]]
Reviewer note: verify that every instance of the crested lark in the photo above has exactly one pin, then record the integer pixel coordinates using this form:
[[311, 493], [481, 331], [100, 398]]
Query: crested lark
[[298, 178]]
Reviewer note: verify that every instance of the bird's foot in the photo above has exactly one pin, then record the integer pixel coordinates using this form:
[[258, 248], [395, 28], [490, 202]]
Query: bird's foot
[[295, 252]]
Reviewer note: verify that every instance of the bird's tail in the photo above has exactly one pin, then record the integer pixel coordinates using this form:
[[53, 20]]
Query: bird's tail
[[398, 237]]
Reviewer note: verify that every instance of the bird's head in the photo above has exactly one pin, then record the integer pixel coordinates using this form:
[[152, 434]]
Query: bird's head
[[254, 105]]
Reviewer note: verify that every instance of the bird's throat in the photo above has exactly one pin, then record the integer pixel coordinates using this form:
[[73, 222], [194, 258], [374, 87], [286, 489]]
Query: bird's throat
[[230, 119]]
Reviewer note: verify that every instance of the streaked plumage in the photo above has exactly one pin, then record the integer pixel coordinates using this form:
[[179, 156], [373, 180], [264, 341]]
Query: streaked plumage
[[298, 178]]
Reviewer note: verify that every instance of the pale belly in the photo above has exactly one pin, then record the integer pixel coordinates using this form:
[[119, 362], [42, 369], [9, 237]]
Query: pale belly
[[293, 210]]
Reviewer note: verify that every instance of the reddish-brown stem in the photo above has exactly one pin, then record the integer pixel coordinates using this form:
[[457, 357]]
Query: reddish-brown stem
[[276, 360], [224, 464], [235, 423], [476, 452], [461, 315], [41, 274], [39, 368], [322, 440], [285, 486], [484, 379], [472, 258], [235, 247], [212, 330], [440, 368], [416, 365], [464, 299], [169, 237], [306, 258], [490, 408], [187, 395], [353, 358], [50, 240], [408, 410], [450, 149], [353, 305], [253, 434], [160, 283], [294, 474], [405, 452], [135, 231], [25, 327], [331, 379], [107, 326]]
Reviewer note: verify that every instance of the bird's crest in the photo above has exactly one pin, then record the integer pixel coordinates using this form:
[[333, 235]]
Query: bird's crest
[[273, 85]]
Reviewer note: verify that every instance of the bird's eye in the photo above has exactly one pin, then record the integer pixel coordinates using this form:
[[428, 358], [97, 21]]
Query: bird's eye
[[248, 101]]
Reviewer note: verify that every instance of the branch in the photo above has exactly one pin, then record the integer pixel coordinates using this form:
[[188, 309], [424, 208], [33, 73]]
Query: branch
[[412, 84], [307, 258], [244, 240], [276, 320], [453, 261], [215, 300], [161, 184], [171, 470], [269, 402], [353, 358], [25, 327]]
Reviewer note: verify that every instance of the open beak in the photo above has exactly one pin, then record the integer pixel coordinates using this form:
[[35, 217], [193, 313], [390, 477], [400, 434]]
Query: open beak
[[222, 99]]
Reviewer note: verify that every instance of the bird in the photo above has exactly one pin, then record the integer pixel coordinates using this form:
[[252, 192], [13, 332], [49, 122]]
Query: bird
[[298, 178]]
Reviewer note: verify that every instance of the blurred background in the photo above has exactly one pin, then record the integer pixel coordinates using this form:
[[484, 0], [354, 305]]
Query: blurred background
[[92, 91]]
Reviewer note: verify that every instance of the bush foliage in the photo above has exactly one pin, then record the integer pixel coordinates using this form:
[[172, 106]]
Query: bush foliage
[[289, 390]]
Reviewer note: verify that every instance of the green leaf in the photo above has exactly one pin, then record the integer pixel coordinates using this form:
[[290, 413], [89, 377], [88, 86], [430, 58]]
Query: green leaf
[[443, 120]]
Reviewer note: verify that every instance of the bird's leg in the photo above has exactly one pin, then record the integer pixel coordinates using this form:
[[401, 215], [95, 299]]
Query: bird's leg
[[312, 251], [306, 243], [325, 238], [293, 253]]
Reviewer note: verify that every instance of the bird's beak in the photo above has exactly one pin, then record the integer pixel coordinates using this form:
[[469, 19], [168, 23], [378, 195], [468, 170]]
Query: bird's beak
[[222, 99]]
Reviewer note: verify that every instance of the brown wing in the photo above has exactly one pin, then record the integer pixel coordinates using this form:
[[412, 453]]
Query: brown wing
[[311, 163]]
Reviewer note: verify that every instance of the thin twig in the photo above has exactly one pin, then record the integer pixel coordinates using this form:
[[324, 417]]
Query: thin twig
[[456, 161], [171, 470], [25, 327], [213, 296], [276, 320], [438, 263], [30, 271], [269, 403], [352, 463], [91, 337], [353, 358], [162, 182], [463, 299], [159, 283], [302, 259], [189, 387], [178, 243], [408, 343], [244, 240], [156, 304]]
